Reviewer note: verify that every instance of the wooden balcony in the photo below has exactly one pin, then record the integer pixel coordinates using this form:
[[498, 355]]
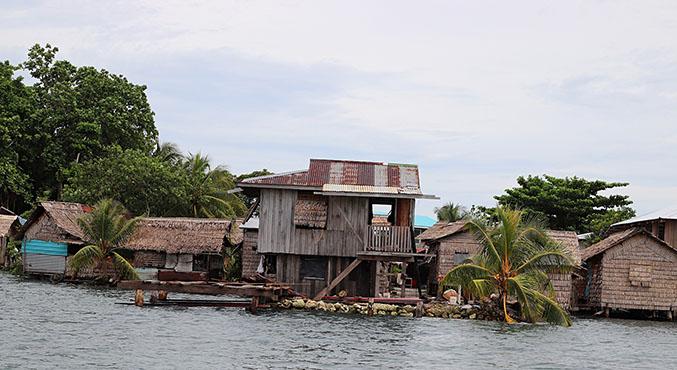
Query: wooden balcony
[[389, 239]]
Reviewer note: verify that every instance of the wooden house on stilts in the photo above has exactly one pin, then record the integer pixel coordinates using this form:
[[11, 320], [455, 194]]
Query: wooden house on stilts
[[315, 229]]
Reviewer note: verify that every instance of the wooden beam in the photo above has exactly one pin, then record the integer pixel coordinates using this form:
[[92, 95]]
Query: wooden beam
[[338, 279], [272, 292], [251, 211]]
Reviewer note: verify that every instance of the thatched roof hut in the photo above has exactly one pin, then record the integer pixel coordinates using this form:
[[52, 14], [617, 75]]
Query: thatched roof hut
[[8, 225], [452, 243], [55, 222], [631, 269], [184, 235]]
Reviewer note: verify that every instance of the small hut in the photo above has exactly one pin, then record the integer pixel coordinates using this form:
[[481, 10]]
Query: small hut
[[182, 244], [50, 235], [452, 244], [9, 225], [631, 270]]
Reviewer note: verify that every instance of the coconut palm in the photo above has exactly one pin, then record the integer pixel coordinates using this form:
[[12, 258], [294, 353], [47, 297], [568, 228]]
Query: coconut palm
[[450, 212], [168, 152], [208, 189], [106, 229], [515, 258]]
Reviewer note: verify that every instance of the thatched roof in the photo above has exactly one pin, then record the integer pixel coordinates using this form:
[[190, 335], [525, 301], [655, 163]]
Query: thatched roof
[[442, 230], [64, 216], [615, 239], [7, 224], [184, 235]]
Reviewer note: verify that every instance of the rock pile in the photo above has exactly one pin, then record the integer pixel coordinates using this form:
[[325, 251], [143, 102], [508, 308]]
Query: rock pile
[[486, 310]]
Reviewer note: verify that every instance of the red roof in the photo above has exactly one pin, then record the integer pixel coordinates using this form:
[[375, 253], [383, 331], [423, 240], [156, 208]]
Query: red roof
[[353, 176]]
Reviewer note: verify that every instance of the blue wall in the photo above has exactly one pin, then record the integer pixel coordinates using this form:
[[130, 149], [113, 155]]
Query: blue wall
[[45, 247]]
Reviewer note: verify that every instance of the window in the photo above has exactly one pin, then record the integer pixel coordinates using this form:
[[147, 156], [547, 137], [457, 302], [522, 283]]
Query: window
[[270, 264], [313, 268], [460, 257], [310, 211]]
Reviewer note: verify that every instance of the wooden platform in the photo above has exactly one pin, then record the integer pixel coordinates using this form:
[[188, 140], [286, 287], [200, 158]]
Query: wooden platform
[[270, 291]]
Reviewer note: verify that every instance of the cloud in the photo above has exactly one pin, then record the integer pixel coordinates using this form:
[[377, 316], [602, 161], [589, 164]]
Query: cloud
[[476, 94]]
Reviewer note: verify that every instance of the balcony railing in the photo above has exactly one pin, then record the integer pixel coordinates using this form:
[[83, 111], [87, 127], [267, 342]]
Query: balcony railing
[[394, 239]]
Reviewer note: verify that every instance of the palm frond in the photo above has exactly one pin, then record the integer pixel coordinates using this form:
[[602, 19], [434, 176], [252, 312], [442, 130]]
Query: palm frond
[[86, 257], [124, 268], [468, 276]]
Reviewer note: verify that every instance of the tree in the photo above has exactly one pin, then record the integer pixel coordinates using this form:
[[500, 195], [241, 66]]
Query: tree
[[569, 203], [514, 260], [144, 183], [168, 153], [78, 113], [15, 110], [106, 230], [249, 201], [450, 212], [208, 190]]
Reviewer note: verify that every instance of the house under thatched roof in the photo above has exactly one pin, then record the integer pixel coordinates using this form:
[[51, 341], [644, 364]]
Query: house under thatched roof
[[442, 229], [55, 222], [8, 224], [184, 235]]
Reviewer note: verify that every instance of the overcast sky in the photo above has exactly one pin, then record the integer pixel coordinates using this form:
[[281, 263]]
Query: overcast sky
[[476, 93]]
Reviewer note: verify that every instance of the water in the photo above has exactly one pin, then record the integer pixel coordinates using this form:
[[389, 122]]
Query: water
[[65, 326]]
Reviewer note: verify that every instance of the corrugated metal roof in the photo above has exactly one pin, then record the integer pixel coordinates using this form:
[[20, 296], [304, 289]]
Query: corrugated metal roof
[[665, 213], [349, 176], [359, 189]]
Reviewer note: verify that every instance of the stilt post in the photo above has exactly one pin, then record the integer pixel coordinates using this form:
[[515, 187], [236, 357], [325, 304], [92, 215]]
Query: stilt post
[[138, 297]]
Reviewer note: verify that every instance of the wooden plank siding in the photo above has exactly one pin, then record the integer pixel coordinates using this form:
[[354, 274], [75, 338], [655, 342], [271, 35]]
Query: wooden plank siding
[[344, 235]]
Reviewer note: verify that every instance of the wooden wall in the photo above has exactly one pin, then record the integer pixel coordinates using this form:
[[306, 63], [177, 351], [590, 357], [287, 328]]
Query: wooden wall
[[357, 283], [344, 235], [639, 273]]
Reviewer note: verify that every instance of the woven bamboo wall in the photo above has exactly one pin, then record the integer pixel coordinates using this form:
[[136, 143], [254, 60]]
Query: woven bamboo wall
[[149, 259], [639, 273], [250, 259]]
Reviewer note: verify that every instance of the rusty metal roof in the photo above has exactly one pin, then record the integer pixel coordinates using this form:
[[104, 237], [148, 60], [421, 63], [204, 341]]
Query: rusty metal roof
[[348, 177]]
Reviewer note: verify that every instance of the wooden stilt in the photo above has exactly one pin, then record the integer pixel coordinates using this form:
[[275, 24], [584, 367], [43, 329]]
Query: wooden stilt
[[607, 311], [138, 297], [669, 315], [338, 279], [419, 309], [404, 280], [254, 305], [370, 307]]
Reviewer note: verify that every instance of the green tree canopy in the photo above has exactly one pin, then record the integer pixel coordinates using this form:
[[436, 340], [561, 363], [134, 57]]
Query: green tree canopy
[[145, 184], [15, 111], [569, 203], [450, 212], [208, 189], [69, 115]]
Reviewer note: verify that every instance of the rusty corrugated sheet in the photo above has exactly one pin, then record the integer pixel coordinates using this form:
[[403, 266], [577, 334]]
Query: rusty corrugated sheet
[[340, 188], [374, 175]]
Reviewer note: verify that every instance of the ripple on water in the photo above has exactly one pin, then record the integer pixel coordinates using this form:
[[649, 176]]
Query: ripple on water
[[68, 326]]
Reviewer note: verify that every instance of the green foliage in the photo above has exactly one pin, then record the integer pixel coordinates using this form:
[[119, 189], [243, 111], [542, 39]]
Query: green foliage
[[514, 260], [569, 203], [15, 259], [15, 110], [450, 212], [207, 189], [249, 201], [106, 229], [232, 263], [145, 184], [69, 115]]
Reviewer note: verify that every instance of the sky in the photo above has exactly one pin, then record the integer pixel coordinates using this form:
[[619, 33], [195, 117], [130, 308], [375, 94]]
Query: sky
[[476, 93]]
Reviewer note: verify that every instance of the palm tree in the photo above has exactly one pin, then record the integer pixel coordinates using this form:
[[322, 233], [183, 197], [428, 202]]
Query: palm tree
[[514, 260], [168, 152], [208, 189], [106, 229], [450, 212]]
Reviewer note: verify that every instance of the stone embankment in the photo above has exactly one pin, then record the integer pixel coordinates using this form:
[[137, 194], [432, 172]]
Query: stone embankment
[[485, 311]]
